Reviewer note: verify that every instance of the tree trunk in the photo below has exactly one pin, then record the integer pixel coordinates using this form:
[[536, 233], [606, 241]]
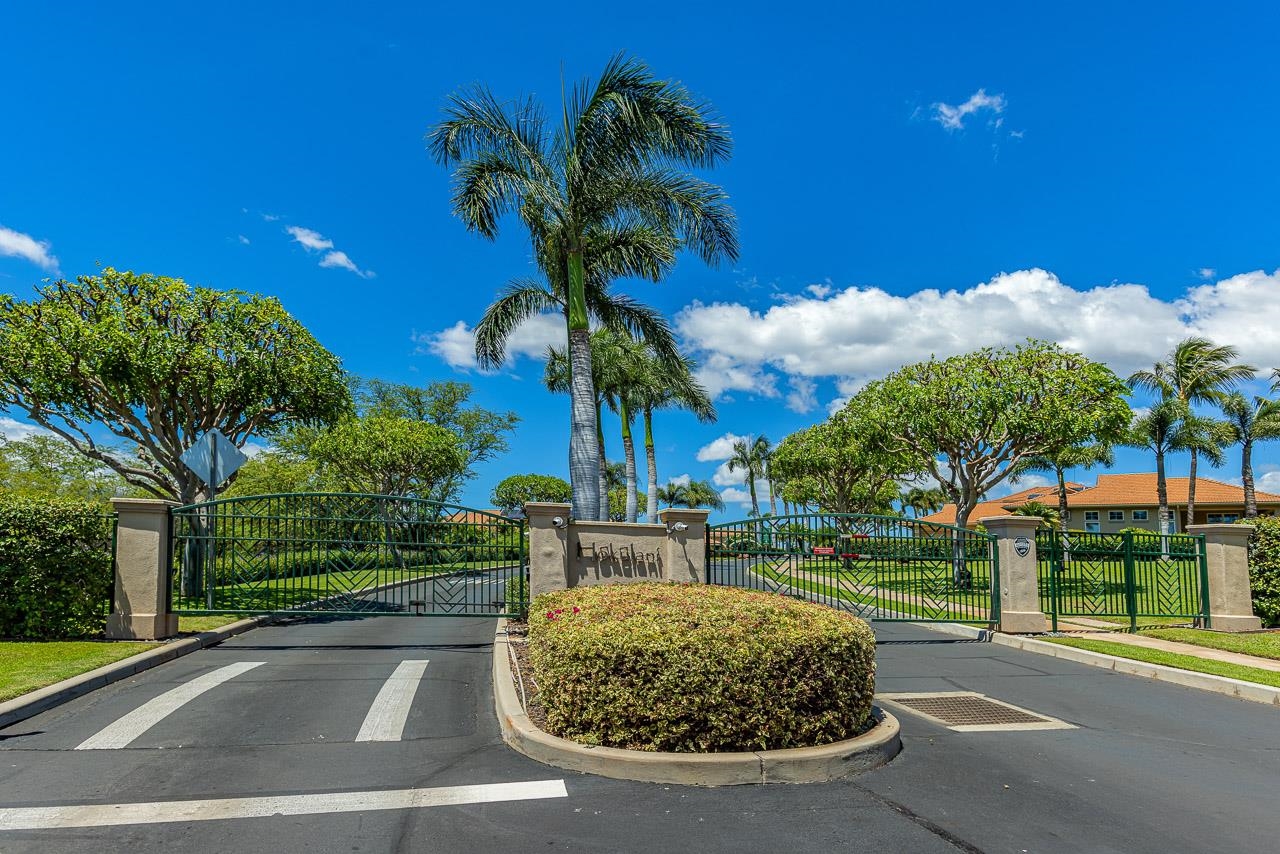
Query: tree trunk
[[1246, 476], [960, 574], [629, 454], [1062, 517], [651, 461], [773, 501], [602, 482], [751, 485], [1162, 497], [1191, 489], [584, 447]]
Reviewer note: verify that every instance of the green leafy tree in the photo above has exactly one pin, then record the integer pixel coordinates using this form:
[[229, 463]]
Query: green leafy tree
[[618, 504], [1059, 461], [602, 196], [972, 420], [751, 456], [842, 465], [511, 493], [923, 501], [1249, 422], [1196, 372], [42, 466], [278, 471], [158, 363], [386, 455], [482, 434]]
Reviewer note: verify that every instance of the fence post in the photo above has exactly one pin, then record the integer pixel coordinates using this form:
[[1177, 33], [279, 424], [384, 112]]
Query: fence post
[[1227, 559], [686, 548], [1019, 589], [548, 546], [141, 601]]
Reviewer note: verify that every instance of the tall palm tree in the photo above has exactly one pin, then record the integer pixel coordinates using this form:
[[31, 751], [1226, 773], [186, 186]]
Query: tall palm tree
[[1071, 457], [750, 456], [666, 382], [1197, 371], [603, 196], [697, 493], [1249, 422], [1158, 431], [766, 469], [1048, 515], [924, 500]]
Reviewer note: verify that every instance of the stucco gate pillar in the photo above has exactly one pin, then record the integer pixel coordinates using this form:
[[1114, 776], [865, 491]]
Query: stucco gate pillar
[[1227, 557], [548, 546], [141, 609], [1019, 588]]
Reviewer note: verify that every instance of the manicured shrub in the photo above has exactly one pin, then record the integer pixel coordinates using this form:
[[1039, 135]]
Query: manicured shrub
[[698, 668], [55, 568], [1264, 568]]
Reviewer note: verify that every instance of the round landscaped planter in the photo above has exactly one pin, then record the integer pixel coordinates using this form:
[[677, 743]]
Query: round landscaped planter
[[819, 764]]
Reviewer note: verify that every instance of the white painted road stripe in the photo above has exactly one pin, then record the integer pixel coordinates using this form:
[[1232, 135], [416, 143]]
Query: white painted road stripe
[[106, 815], [126, 729], [390, 710]]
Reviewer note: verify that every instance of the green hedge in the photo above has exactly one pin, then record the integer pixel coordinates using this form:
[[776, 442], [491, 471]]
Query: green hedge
[[1264, 568], [695, 668], [55, 568]]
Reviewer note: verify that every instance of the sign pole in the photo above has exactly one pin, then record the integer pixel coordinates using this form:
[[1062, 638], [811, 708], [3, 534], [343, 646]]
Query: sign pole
[[211, 577]]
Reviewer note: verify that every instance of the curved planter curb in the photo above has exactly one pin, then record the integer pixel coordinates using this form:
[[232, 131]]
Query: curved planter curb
[[794, 765]]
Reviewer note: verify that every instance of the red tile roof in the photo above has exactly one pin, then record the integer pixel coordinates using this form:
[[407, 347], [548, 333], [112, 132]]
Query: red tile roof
[[996, 506], [1127, 490]]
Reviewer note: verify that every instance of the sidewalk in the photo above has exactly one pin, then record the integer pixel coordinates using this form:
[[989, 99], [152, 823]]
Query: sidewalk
[[1180, 648]]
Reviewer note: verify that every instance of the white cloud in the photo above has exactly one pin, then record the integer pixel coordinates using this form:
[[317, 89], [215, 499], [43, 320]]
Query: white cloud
[[952, 117], [269, 217], [819, 291], [741, 496], [16, 431], [15, 244], [803, 396], [456, 345], [725, 477], [244, 240], [718, 449], [862, 333], [252, 449], [680, 480], [1206, 273], [314, 241]]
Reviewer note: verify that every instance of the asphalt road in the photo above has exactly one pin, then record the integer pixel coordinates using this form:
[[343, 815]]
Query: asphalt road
[[1149, 768]]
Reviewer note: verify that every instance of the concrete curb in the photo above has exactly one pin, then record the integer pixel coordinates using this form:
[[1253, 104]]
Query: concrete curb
[[43, 699], [1238, 688], [797, 765]]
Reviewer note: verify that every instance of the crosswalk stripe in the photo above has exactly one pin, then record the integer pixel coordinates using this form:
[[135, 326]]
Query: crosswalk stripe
[[390, 710], [158, 812], [125, 730]]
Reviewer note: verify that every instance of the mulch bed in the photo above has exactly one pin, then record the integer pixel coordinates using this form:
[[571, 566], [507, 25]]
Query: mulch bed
[[517, 637]]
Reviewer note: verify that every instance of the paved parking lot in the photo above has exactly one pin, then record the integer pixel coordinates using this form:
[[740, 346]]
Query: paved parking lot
[[378, 734]]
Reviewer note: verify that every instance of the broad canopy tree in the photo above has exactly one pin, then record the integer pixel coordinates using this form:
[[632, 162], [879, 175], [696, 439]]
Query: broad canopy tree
[[158, 363], [511, 493], [972, 420], [389, 455]]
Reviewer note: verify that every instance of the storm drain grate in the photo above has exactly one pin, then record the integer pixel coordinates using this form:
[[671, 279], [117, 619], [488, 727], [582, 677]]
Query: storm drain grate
[[966, 711]]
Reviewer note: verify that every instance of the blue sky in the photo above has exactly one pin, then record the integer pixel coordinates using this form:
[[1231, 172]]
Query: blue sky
[[908, 180]]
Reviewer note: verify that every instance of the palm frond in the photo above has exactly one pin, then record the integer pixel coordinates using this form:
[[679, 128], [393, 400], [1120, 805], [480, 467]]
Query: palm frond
[[521, 300]]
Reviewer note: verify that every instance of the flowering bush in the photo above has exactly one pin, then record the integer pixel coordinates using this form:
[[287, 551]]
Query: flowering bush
[[697, 668]]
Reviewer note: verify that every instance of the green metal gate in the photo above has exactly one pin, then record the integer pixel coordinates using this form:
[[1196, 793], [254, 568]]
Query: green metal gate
[[1130, 575], [344, 553], [879, 567]]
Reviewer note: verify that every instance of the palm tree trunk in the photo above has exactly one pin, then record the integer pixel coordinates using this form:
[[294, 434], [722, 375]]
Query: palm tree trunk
[[584, 446], [651, 461], [629, 454], [1191, 489], [602, 482], [1246, 476], [1062, 501], [751, 484], [773, 501]]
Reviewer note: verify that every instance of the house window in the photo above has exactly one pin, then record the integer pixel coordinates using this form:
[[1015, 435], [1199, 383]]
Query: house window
[[1139, 515], [1091, 515], [1222, 518], [1115, 515]]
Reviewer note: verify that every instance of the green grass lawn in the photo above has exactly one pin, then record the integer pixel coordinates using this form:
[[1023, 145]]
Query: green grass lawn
[[26, 666], [971, 608], [188, 623], [1262, 645], [1173, 659]]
